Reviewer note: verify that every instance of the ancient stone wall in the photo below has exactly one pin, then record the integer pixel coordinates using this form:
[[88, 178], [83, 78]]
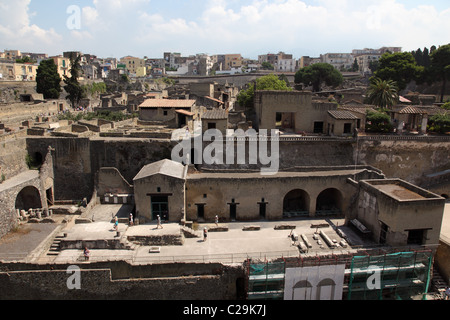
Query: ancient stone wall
[[122, 281], [408, 159], [13, 154], [76, 160]]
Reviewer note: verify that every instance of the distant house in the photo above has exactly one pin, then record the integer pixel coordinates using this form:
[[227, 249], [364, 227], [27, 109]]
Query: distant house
[[360, 111], [341, 122], [163, 110], [291, 111], [215, 119]]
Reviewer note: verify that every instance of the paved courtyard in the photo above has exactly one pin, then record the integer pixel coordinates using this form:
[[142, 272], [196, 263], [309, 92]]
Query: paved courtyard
[[232, 246]]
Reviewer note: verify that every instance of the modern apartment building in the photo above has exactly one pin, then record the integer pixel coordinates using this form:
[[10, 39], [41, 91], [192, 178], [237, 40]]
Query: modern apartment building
[[135, 66]]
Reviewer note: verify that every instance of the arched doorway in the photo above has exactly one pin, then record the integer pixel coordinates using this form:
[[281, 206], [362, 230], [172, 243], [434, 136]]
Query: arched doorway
[[28, 198], [329, 202], [296, 203]]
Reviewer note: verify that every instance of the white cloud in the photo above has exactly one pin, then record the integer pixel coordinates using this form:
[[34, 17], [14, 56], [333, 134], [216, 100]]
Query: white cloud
[[16, 31], [301, 27]]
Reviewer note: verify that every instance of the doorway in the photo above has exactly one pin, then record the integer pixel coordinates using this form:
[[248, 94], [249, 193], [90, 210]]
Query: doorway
[[160, 206], [200, 210], [262, 209], [233, 209]]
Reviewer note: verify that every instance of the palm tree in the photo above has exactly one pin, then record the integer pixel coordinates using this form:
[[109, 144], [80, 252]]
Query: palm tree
[[383, 93]]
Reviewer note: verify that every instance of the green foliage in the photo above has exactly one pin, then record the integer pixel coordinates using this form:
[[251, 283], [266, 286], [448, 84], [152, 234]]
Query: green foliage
[[317, 74], [440, 67], [400, 67], [267, 66], [93, 89], [102, 114], [48, 81], [125, 78], [73, 87], [374, 65], [25, 60], [378, 121], [32, 163], [285, 79], [268, 82], [169, 81], [422, 57], [355, 66], [446, 106], [70, 116], [382, 93], [439, 123]]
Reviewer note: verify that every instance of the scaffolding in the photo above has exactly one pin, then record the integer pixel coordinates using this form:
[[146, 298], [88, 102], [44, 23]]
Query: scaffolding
[[265, 280], [395, 276]]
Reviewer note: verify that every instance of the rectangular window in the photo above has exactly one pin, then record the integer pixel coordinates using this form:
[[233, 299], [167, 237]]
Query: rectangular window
[[416, 236], [318, 127], [347, 128]]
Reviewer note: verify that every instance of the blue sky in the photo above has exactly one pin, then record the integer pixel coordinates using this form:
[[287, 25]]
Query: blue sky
[[250, 27]]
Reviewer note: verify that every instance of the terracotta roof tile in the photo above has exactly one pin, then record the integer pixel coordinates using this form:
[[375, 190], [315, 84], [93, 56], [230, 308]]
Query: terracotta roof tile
[[167, 103]]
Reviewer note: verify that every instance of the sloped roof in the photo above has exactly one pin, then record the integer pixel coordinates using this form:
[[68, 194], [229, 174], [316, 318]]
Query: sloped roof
[[214, 99], [215, 114], [182, 111], [165, 167], [342, 115], [167, 103], [411, 110], [357, 108], [404, 100]]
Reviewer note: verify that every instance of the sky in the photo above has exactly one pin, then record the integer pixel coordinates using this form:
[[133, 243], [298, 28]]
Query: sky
[[116, 28]]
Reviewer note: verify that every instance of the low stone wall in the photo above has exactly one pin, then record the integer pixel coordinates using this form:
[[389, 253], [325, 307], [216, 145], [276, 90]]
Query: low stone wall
[[160, 240], [119, 280]]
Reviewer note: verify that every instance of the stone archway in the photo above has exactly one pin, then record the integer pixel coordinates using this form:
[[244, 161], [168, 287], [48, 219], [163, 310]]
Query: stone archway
[[296, 203], [28, 198], [329, 202]]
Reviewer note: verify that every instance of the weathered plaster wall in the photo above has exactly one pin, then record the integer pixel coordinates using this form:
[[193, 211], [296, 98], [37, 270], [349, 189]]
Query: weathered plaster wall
[[77, 160], [409, 160], [12, 157]]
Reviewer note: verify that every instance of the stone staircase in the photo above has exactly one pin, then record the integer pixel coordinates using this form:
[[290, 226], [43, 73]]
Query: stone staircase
[[55, 247], [438, 283], [190, 233]]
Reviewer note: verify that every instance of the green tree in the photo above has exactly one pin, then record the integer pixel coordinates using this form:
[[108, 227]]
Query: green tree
[[73, 88], [48, 80], [378, 121], [400, 67], [355, 66], [439, 123], [25, 59], [440, 67], [285, 79], [317, 74], [267, 66], [268, 82], [382, 93]]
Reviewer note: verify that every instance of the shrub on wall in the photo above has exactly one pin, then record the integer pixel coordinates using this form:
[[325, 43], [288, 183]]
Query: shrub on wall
[[439, 123], [378, 121]]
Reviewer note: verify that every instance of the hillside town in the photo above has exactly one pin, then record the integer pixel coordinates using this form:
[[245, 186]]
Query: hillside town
[[221, 177]]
